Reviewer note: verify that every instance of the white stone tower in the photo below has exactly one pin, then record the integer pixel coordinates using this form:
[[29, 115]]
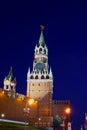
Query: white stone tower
[[10, 82], [40, 79]]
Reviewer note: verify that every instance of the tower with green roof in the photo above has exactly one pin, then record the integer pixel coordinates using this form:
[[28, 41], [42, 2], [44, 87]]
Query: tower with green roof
[[40, 79], [10, 82]]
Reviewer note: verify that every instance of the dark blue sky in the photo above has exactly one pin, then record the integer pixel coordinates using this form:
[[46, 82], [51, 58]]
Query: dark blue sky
[[66, 38]]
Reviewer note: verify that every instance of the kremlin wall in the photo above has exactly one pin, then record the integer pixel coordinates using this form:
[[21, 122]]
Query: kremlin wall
[[43, 109]]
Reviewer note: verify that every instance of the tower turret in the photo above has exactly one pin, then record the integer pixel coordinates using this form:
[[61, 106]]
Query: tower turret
[[10, 82], [40, 82], [40, 79]]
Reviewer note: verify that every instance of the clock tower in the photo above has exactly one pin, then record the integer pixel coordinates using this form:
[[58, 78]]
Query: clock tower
[[40, 79]]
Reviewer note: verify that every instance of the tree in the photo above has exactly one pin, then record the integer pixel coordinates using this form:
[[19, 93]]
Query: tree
[[57, 121]]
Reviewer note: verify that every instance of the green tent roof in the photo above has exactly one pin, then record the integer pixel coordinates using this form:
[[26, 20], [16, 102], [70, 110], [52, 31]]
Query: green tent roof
[[10, 75], [41, 39]]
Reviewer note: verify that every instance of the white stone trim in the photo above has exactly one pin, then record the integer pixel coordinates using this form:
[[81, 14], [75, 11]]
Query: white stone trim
[[40, 90], [39, 80], [37, 56]]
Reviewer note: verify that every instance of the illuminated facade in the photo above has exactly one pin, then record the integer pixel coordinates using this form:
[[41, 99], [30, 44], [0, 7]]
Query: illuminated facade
[[10, 82], [39, 88], [40, 85], [40, 79]]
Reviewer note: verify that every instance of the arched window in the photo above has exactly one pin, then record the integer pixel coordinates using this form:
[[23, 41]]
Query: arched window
[[47, 77], [6, 86], [31, 77], [42, 77], [44, 51], [11, 87], [40, 49], [36, 77], [43, 45]]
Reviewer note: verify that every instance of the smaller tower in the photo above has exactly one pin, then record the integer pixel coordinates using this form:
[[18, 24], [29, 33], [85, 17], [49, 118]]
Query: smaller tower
[[10, 82], [81, 128], [85, 124], [69, 126]]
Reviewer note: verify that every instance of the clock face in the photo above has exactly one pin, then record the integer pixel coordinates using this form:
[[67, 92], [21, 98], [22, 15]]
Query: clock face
[[40, 65]]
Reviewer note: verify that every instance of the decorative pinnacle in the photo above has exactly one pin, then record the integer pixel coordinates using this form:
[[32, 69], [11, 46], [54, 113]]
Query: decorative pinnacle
[[42, 27], [85, 115]]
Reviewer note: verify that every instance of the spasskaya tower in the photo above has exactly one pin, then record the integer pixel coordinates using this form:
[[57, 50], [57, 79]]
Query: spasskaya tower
[[40, 79]]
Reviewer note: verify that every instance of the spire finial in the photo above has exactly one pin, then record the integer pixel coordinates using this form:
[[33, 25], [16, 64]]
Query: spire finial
[[42, 27], [41, 39]]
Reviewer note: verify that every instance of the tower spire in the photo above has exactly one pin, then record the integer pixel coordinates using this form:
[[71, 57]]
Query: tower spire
[[28, 74], [41, 39], [10, 75]]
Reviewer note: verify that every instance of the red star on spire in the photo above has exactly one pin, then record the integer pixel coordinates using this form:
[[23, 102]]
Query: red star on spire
[[42, 27]]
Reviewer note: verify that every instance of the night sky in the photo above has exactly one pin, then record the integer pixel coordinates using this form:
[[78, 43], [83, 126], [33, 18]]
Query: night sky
[[66, 38]]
